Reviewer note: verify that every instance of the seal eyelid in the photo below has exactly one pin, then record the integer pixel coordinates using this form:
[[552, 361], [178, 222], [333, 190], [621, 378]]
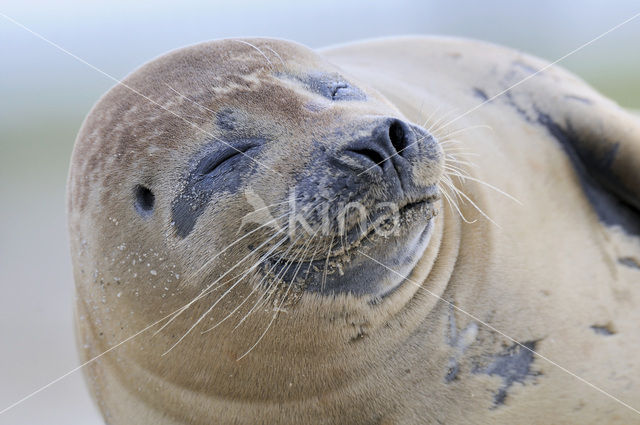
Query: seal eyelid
[[336, 88], [212, 162], [210, 166], [340, 90]]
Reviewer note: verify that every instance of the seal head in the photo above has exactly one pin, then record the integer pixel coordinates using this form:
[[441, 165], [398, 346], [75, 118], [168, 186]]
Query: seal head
[[190, 140]]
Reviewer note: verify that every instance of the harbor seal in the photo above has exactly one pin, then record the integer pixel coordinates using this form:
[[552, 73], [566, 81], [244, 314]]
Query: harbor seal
[[411, 230]]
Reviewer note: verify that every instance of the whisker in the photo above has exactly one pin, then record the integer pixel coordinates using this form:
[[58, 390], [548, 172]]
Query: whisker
[[277, 203], [204, 291], [451, 141], [256, 287], [500, 191], [260, 301], [446, 179], [278, 309], [326, 264], [455, 205], [275, 53], [435, 127], [431, 115], [446, 195], [256, 48], [450, 159], [266, 275], [454, 170], [462, 130], [209, 261], [313, 256], [225, 294], [461, 193], [457, 151]]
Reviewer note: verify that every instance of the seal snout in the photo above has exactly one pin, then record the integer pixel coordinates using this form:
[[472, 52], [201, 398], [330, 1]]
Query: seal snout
[[377, 152], [403, 155], [386, 147]]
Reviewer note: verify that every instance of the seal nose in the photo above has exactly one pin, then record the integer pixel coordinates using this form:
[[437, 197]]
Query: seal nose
[[398, 136], [387, 142]]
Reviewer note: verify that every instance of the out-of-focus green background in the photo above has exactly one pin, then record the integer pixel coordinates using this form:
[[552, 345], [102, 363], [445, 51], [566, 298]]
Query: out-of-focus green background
[[45, 94]]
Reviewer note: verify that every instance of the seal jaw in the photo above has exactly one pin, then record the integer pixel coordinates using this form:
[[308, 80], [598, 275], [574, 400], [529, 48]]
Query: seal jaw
[[344, 266]]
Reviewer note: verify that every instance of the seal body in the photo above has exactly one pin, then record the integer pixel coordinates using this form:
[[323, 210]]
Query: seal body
[[484, 310]]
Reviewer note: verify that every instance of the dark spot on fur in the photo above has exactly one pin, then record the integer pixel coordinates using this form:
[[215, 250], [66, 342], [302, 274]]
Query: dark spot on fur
[[512, 365], [452, 372], [359, 336], [608, 196], [530, 69], [226, 120], [578, 99], [480, 93], [460, 340], [606, 329], [629, 262], [526, 115]]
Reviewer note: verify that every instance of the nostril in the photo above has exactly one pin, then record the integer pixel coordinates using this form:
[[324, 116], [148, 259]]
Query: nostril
[[397, 136], [370, 154]]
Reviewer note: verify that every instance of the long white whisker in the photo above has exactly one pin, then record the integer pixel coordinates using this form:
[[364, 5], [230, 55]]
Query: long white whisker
[[205, 290], [223, 295], [256, 48], [462, 130], [431, 115], [284, 297], [500, 191], [270, 290], [275, 53], [210, 260], [435, 127], [251, 293], [461, 193], [281, 273], [455, 205], [326, 264], [451, 159]]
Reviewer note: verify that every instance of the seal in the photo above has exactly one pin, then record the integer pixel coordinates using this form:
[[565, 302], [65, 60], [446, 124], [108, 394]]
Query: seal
[[410, 230]]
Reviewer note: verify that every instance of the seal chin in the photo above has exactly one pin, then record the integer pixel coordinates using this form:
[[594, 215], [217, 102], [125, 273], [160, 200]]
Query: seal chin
[[373, 264]]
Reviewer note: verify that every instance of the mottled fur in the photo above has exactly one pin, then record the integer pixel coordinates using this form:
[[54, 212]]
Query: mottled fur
[[549, 274]]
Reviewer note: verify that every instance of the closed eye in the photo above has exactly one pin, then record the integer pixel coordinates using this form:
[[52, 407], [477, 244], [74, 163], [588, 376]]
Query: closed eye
[[336, 89], [332, 86], [211, 162]]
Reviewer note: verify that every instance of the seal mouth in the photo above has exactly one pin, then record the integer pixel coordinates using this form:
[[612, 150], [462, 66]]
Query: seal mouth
[[380, 228]]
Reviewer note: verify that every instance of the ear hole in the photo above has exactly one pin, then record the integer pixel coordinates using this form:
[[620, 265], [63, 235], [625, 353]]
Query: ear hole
[[145, 199]]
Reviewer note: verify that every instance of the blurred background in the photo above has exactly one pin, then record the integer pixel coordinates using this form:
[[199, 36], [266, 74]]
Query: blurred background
[[45, 94]]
